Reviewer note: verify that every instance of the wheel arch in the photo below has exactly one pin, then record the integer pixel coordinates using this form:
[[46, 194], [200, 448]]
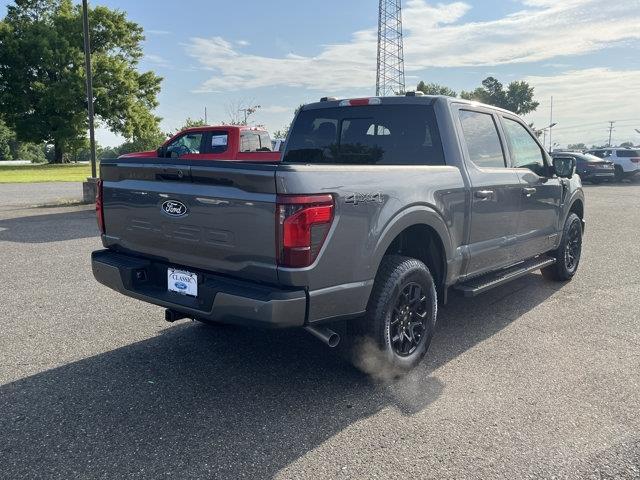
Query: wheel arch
[[405, 234], [577, 207]]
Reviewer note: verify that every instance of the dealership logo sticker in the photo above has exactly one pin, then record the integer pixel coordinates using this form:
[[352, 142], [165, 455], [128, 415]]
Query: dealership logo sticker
[[174, 208]]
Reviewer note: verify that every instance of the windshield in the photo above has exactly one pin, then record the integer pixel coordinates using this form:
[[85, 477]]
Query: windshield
[[368, 135]]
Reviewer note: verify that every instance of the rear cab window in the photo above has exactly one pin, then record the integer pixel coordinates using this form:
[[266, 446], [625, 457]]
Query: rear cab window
[[249, 142], [265, 142], [366, 135]]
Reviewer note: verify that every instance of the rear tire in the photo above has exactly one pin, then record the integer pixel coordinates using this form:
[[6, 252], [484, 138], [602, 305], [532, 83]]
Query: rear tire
[[397, 329], [568, 253], [619, 173]]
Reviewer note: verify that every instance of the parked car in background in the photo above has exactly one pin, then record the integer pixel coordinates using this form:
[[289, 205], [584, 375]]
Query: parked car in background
[[225, 142], [590, 168], [277, 145], [626, 161]]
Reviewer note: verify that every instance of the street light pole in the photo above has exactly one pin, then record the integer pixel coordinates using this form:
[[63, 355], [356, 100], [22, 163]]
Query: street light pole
[[87, 62]]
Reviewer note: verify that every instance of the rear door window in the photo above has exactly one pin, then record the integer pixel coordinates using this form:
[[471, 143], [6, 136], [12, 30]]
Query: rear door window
[[366, 135], [628, 153], [482, 139]]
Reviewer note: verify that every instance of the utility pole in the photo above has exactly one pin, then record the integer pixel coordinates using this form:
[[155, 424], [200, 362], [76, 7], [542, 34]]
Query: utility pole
[[87, 63], [205, 115], [611, 122], [390, 64], [551, 125]]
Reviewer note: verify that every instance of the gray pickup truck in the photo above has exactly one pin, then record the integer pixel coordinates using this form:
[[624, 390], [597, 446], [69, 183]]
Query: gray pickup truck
[[378, 207]]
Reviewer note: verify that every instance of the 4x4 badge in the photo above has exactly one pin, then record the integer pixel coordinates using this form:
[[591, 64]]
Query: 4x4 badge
[[357, 198]]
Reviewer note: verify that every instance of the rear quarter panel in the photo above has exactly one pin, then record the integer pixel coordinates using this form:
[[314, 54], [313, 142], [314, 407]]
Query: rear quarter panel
[[373, 205]]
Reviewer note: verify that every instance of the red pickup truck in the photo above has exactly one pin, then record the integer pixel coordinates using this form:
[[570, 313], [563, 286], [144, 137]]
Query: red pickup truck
[[226, 142]]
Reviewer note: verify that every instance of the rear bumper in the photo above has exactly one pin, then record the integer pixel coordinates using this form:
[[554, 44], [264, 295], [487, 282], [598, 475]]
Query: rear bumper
[[598, 175], [220, 299]]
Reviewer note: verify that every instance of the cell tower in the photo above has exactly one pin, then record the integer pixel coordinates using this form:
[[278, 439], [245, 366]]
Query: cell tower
[[390, 69]]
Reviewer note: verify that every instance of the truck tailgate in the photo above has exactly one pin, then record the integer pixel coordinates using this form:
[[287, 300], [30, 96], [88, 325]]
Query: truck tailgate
[[214, 216]]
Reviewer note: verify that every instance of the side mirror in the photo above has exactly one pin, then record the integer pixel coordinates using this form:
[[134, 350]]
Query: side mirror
[[161, 152], [564, 166]]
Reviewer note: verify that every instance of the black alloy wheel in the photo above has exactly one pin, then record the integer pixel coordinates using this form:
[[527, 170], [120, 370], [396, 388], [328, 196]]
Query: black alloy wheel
[[409, 320]]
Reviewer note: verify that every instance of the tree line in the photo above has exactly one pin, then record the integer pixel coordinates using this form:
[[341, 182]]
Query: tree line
[[517, 97]]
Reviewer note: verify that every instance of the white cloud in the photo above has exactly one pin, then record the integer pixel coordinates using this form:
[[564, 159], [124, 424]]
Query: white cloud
[[156, 60], [585, 100], [277, 109], [435, 35]]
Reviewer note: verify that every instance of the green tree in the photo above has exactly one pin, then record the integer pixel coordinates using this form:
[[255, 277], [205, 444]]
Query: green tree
[[150, 141], [190, 123], [435, 89], [577, 146], [626, 144], [7, 137], [33, 152], [42, 77], [518, 97]]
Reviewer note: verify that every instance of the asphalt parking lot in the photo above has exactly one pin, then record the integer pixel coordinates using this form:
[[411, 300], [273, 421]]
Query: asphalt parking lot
[[532, 380]]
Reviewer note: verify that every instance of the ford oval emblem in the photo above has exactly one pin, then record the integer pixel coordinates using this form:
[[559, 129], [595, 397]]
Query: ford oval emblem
[[174, 208], [181, 286]]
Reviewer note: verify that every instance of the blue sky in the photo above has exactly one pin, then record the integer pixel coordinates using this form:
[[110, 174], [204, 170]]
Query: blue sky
[[278, 54]]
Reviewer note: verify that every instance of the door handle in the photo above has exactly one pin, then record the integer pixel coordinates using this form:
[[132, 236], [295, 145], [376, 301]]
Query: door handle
[[528, 191], [483, 194]]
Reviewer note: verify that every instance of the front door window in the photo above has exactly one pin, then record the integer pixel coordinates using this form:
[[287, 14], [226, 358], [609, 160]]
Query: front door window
[[525, 151], [185, 145]]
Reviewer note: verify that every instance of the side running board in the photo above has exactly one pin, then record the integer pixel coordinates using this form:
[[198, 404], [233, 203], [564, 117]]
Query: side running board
[[481, 284]]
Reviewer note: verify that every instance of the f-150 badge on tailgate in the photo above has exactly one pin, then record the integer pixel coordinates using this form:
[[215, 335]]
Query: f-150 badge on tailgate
[[174, 208]]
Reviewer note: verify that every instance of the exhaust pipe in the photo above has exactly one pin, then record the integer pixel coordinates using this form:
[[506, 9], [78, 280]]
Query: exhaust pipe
[[171, 315], [326, 335]]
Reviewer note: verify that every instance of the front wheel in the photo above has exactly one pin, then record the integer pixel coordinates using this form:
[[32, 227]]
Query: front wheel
[[401, 315], [568, 253]]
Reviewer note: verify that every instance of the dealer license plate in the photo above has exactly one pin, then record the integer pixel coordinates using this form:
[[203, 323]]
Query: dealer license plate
[[181, 281]]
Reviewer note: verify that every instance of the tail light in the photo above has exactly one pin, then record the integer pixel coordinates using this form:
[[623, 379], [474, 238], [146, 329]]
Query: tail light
[[303, 222], [99, 206]]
